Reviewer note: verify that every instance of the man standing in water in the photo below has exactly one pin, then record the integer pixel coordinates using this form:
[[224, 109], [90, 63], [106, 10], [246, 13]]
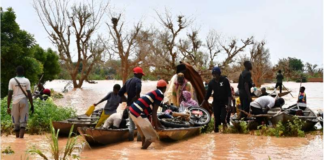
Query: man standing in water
[[142, 108], [18, 86], [133, 88], [221, 98], [244, 86], [279, 78]]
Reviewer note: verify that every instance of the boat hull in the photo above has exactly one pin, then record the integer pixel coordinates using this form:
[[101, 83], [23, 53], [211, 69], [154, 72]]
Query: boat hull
[[309, 117], [79, 121], [65, 127], [284, 118], [175, 134], [103, 136]]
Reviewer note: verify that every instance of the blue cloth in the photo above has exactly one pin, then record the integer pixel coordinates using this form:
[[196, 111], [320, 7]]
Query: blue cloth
[[131, 87], [216, 70]]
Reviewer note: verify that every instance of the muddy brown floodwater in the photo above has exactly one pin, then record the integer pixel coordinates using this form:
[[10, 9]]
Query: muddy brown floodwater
[[204, 146]]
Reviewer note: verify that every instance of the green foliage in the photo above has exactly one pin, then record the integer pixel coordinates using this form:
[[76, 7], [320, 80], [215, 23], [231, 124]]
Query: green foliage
[[50, 61], [8, 150], [209, 127], [295, 64], [292, 129], [55, 150], [37, 122], [18, 47]]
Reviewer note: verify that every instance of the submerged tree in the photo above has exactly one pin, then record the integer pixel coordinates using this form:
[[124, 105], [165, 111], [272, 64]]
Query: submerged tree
[[76, 24]]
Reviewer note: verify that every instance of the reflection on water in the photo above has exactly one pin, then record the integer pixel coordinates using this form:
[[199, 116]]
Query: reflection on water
[[205, 146]]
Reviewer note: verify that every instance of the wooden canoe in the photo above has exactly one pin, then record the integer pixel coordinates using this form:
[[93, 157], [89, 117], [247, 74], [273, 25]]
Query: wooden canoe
[[283, 93], [175, 134], [103, 136], [309, 117], [79, 121]]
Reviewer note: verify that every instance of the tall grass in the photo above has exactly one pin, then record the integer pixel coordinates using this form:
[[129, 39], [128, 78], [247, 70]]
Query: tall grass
[[56, 152]]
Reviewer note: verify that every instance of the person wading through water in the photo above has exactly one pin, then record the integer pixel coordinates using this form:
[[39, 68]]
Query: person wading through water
[[141, 110], [222, 97], [18, 86], [245, 84], [133, 89], [279, 78]]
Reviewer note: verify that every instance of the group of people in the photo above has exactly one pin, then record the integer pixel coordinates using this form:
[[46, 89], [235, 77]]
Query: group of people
[[142, 111]]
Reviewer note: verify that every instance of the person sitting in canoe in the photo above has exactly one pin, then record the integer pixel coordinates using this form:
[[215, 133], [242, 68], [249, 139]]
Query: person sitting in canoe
[[187, 101], [263, 104], [117, 120], [141, 109], [181, 85], [264, 92], [302, 95], [113, 100]]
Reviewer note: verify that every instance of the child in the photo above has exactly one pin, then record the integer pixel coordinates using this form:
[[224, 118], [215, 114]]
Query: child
[[113, 100], [302, 95], [187, 101]]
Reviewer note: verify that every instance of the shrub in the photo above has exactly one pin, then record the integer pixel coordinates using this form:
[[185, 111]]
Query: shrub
[[292, 129], [37, 122]]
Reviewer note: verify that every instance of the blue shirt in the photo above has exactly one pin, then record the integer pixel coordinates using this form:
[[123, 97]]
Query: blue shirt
[[131, 87]]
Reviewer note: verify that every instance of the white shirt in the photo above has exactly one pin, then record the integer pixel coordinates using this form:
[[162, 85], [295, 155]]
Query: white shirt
[[263, 102], [17, 93]]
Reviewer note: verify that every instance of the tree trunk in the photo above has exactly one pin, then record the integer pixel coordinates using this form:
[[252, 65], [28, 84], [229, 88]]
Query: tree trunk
[[124, 65]]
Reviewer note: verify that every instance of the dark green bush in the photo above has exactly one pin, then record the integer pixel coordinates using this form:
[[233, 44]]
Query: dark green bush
[[37, 122]]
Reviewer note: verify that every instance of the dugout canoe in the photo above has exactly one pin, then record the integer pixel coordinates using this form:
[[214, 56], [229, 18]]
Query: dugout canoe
[[309, 117], [79, 121], [103, 136], [175, 134]]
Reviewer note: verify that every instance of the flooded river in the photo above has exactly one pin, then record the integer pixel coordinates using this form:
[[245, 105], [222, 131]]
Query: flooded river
[[205, 146]]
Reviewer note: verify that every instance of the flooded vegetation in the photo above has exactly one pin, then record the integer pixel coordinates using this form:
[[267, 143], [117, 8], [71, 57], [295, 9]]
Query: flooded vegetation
[[204, 146]]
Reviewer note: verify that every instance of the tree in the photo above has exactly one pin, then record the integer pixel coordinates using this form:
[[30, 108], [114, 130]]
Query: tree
[[127, 45], [232, 49], [213, 47], [283, 65], [295, 64], [50, 61], [166, 45], [189, 48], [63, 25], [260, 58], [19, 48]]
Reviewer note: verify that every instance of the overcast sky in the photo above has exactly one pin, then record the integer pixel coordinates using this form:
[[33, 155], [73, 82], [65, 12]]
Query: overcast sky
[[291, 28]]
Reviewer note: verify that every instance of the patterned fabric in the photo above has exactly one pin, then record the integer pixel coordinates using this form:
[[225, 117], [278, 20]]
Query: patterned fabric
[[142, 107], [188, 101], [302, 97], [177, 92]]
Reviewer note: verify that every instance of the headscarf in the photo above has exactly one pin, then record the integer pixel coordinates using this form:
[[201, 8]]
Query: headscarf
[[188, 101]]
